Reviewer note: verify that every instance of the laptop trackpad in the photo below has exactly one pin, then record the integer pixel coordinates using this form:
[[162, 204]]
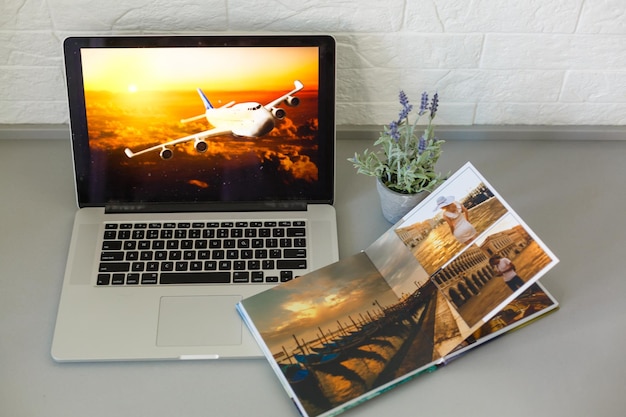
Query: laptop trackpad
[[199, 321]]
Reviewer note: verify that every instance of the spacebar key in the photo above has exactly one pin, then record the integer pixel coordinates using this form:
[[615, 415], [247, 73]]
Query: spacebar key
[[195, 277]]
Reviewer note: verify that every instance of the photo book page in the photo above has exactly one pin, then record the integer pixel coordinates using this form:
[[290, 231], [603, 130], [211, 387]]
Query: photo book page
[[459, 269]]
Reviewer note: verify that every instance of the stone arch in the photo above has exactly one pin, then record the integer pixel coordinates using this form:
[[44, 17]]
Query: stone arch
[[465, 293], [455, 297], [470, 286], [478, 281]]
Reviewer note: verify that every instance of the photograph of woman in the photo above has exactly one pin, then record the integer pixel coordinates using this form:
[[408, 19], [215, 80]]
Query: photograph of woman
[[457, 217]]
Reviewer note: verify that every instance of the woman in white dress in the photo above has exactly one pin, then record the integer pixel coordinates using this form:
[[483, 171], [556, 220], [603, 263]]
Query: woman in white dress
[[457, 217]]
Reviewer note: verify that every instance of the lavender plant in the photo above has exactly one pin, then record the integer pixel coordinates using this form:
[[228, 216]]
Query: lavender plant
[[406, 159]]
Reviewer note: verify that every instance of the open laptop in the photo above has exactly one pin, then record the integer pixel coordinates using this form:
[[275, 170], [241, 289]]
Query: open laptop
[[204, 171]]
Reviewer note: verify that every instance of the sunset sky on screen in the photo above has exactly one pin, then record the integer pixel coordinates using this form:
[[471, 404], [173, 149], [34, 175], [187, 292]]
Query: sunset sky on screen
[[175, 69]]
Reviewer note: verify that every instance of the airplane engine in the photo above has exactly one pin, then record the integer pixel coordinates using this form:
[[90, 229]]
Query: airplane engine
[[292, 101], [166, 154], [201, 146], [278, 113]]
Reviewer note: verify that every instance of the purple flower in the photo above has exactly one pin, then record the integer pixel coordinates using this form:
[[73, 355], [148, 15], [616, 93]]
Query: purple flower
[[421, 146], [404, 100], [393, 131], [424, 103], [434, 105], [406, 106]]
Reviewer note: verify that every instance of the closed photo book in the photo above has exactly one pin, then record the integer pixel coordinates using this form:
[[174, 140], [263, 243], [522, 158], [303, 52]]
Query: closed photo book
[[458, 270]]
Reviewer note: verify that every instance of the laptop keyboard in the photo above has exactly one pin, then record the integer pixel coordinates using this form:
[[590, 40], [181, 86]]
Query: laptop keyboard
[[202, 252]]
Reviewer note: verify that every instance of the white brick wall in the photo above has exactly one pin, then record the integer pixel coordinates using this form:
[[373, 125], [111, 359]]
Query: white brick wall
[[493, 62]]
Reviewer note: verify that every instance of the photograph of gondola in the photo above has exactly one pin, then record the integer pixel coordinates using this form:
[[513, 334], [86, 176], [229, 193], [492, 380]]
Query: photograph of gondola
[[347, 332]]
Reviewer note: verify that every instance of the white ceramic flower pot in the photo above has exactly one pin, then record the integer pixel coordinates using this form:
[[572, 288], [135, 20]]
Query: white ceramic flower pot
[[395, 205]]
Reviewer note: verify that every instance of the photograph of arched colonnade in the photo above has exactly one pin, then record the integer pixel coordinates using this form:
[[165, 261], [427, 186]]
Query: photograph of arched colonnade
[[467, 271]]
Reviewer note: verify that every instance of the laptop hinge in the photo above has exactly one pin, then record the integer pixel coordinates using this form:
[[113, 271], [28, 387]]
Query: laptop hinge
[[206, 207]]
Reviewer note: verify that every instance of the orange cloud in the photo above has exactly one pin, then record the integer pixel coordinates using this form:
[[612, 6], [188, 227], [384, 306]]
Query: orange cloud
[[299, 166], [198, 183]]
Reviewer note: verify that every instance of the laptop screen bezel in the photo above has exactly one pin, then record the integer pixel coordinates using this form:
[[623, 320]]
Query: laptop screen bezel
[[78, 116]]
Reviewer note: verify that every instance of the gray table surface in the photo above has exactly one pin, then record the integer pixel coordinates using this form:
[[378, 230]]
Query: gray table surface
[[571, 363]]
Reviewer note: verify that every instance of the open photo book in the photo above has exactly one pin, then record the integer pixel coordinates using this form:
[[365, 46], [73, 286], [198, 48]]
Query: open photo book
[[458, 270]]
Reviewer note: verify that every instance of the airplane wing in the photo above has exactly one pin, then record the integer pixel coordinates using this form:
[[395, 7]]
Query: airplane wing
[[298, 86], [163, 146]]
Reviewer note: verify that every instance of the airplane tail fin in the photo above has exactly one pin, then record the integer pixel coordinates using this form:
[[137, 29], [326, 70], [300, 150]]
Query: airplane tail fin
[[205, 100]]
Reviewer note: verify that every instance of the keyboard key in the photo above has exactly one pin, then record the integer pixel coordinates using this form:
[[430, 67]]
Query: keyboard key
[[112, 245], [294, 253], [195, 278], [124, 234], [112, 256], [110, 235], [118, 279], [296, 232], [149, 278], [132, 279], [103, 279], [114, 267], [241, 276], [291, 264]]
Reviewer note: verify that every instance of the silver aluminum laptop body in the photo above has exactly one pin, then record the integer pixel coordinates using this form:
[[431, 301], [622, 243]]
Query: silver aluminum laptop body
[[154, 141]]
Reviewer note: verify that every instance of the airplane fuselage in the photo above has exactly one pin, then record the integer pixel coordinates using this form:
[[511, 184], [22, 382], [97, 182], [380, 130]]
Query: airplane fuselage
[[243, 119]]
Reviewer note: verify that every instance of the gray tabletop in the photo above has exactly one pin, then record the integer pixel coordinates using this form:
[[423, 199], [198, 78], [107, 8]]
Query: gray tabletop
[[570, 363]]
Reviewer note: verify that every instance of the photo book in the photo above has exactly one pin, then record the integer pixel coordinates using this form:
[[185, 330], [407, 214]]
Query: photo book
[[458, 270]]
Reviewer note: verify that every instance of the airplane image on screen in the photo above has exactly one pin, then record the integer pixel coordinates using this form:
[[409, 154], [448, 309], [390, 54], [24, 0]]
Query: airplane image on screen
[[249, 119]]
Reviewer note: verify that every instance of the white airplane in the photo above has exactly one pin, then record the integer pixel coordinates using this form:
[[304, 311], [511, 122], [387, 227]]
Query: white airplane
[[242, 119]]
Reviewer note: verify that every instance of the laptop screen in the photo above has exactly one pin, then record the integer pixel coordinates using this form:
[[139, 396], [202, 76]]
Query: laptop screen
[[176, 119]]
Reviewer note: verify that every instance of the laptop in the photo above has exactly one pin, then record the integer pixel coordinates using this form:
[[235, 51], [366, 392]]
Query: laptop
[[204, 170]]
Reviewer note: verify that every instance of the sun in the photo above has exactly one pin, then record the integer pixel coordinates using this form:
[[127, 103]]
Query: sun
[[132, 88], [302, 309]]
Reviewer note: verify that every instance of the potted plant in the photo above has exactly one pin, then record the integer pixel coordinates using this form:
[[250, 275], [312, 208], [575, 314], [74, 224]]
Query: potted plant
[[404, 163]]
